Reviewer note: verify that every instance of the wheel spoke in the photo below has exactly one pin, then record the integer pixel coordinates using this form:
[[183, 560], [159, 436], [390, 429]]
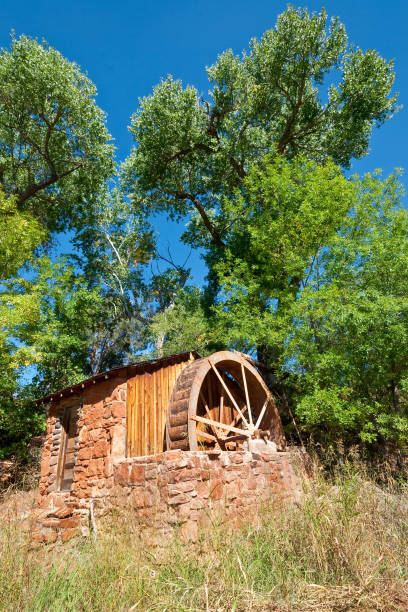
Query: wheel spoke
[[229, 393], [207, 411], [207, 436], [222, 404], [246, 394], [210, 394], [259, 420], [234, 438], [242, 432]]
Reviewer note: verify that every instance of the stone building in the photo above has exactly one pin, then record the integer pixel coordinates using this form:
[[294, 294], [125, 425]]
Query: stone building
[[172, 438]]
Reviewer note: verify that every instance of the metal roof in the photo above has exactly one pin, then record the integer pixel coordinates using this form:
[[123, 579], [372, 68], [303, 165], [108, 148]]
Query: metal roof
[[130, 369]]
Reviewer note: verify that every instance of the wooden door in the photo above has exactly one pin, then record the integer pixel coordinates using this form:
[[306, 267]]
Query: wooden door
[[68, 448]]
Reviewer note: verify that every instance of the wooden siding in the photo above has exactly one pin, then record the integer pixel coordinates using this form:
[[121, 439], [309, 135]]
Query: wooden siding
[[148, 396]]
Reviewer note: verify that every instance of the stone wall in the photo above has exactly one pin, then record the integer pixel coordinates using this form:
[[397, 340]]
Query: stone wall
[[189, 489], [183, 490]]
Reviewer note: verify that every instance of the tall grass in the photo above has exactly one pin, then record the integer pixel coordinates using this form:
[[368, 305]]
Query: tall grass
[[344, 546]]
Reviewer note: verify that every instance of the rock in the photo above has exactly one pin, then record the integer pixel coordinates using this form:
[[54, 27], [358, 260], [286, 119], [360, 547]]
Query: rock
[[262, 446]]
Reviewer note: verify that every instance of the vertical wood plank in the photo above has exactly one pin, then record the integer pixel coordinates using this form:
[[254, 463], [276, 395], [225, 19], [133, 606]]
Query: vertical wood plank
[[162, 413], [141, 415], [165, 392], [146, 414], [155, 412], [136, 425], [135, 418], [134, 414], [152, 422], [170, 379], [130, 414]]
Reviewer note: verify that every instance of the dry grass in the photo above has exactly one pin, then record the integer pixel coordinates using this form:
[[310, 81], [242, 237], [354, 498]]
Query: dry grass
[[343, 547]]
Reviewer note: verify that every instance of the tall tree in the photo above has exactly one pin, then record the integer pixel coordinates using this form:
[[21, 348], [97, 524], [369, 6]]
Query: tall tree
[[192, 152], [55, 150], [315, 269], [118, 246], [123, 262], [55, 157]]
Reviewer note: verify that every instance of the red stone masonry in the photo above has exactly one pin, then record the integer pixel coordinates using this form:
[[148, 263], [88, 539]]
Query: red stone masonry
[[188, 489]]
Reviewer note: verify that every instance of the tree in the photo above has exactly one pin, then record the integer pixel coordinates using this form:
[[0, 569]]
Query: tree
[[122, 260], [58, 336], [287, 211], [118, 247], [18, 420], [349, 336], [45, 327], [55, 158], [20, 235], [55, 150], [191, 153]]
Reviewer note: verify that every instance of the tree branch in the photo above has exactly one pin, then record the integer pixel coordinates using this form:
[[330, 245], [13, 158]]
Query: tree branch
[[197, 146], [216, 238], [33, 188]]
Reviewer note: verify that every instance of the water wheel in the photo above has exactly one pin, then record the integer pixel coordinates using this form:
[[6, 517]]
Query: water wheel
[[219, 402]]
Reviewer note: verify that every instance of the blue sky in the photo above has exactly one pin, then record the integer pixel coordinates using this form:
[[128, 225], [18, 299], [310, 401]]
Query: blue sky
[[127, 46]]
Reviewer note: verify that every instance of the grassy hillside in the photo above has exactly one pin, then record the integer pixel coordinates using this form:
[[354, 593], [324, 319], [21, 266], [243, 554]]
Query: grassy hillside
[[344, 546]]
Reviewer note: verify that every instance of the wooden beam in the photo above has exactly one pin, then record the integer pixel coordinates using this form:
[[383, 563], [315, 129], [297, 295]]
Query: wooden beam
[[204, 434], [234, 438], [221, 425], [207, 411]]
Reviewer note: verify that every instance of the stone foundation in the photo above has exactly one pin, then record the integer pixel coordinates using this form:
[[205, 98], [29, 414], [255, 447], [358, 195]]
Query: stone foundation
[[179, 489]]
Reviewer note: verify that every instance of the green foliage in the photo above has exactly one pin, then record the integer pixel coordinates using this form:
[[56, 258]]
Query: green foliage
[[55, 152], [350, 331], [20, 235], [315, 268], [192, 152], [306, 268], [60, 334], [183, 326], [289, 210], [45, 327], [256, 170], [118, 247]]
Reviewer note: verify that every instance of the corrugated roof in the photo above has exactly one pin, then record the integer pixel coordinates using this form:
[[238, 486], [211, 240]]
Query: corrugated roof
[[133, 367]]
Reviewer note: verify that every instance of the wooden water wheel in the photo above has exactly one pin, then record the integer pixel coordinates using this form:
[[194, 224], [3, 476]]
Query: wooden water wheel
[[219, 402]]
